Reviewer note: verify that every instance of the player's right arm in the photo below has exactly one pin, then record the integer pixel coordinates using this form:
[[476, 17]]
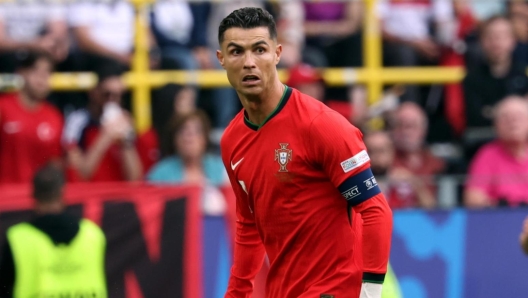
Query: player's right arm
[[248, 251]]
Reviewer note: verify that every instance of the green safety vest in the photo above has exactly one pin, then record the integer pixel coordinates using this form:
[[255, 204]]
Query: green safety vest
[[44, 269], [391, 287]]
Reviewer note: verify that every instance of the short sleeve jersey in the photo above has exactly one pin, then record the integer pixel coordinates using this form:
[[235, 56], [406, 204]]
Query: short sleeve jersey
[[28, 138], [293, 176]]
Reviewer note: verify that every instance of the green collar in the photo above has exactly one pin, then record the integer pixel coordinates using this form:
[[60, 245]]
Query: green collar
[[284, 99]]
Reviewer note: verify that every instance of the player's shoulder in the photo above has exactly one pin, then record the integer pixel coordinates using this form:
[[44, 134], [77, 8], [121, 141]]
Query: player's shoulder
[[8, 99], [51, 111], [316, 112]]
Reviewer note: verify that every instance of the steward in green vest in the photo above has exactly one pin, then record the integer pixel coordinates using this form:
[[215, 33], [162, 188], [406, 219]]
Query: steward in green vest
[[55, 254]]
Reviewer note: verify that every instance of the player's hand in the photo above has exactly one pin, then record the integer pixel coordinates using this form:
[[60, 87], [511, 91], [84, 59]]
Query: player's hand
[[523, 237], [370, 290], [427, 48], [118, 127]]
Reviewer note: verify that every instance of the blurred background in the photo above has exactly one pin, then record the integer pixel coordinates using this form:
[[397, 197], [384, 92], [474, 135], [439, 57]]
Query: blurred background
[[124, 95]]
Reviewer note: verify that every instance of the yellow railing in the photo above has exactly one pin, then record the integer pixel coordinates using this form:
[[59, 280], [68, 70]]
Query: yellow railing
[[140, 79]]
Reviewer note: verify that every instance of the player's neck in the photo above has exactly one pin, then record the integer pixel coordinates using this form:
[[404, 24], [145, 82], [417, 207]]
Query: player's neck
[[259, 108], [54, 207]]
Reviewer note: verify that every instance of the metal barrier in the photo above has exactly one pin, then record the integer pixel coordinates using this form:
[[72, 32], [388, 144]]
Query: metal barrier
[[140, 79]]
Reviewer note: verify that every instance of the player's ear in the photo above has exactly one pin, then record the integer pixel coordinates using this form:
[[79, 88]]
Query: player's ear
[[220, 57], [278, 53]]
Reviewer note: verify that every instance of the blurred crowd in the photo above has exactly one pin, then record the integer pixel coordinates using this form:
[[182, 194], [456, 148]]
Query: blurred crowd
[[478, 127]]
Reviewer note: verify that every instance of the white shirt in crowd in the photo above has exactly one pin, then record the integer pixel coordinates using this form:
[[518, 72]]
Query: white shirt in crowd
[[409, 19], [111, 23], [176, 28], [27, 20]]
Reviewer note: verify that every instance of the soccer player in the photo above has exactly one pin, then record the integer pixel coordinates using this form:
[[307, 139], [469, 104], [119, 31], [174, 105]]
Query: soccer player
[[302, 179]]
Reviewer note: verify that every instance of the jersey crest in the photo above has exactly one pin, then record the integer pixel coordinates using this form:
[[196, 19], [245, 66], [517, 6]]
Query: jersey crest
[[283, 156]]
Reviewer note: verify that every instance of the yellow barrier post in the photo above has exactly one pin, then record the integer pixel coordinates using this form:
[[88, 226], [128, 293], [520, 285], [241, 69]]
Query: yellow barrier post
[[372, 51], [140, 69]]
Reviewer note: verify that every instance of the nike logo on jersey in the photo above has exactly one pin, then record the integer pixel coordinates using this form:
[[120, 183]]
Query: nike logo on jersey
[[12, 127], [233, 166]]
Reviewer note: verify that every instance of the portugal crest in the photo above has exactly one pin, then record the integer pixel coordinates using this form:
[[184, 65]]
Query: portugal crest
[[283, 156]]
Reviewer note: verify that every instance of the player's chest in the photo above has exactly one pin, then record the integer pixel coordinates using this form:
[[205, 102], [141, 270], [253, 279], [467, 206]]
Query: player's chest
[[274, 161]]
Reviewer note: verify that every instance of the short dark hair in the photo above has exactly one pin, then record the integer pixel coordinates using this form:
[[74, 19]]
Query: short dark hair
[[109, 70], [26, 60], [48, 182], [248, 18]]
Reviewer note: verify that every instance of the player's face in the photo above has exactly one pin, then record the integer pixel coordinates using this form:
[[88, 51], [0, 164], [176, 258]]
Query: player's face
[[249, 57]]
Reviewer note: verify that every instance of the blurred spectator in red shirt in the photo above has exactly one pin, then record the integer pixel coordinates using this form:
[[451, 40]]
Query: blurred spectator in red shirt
[[412, 174], [100, 140], [457, 42], [308, 80], [32, 26], [30, 128], [499, 172]]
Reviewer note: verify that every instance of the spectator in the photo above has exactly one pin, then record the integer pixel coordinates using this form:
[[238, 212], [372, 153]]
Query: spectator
[[307, 79], [100, 140], [182, 39], [499, 172], [518, 15], [170, 101], [38, 256], [414, 167], [496, 77], [290, 31], [31, 26], [103, 31], [381, 151], [332, 28], [186, 159], [30, 127], [454, 53], [407, 41], [225, 102]]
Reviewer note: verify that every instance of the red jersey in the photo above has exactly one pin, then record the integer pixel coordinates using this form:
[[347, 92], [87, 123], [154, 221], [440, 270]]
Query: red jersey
[[28, 138], [292, 177]]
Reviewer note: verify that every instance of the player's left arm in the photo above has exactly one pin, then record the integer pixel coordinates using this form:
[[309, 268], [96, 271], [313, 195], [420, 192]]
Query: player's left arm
[[339, 150]]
